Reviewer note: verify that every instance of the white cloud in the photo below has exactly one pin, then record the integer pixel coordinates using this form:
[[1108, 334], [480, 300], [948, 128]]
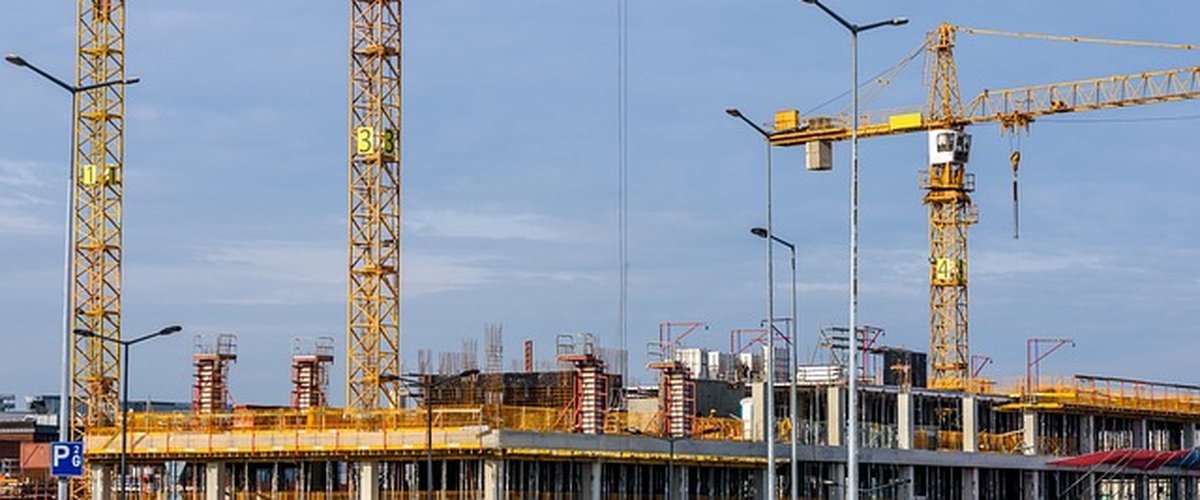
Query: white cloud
[[20, 185], [491, 225], [19, 174]]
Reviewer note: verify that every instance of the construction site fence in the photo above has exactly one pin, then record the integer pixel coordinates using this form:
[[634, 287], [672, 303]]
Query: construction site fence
[[501, 417]]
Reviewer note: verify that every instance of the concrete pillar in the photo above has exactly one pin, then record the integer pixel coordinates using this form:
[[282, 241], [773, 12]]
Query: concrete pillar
[[101, 481], [970, 483], [1033, 485], [758, 480], [216, 481], [907, 476], [1189, 436], [1140, 432], [368, 481], [1087, 434], [834, 420], [680, 488], [1029, 435], [904, 420], [493, 479], [970, 427], [837, 482], [758, 404]]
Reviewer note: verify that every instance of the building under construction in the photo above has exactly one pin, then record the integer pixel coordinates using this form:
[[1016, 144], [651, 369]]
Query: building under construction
[[570, 426]]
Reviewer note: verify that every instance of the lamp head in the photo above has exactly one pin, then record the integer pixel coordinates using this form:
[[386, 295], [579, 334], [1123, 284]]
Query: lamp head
[[170, 330], [16, 60], [131, 81], [758, 231], [897, 21], [82, 332], [810, 1], [734, 112]]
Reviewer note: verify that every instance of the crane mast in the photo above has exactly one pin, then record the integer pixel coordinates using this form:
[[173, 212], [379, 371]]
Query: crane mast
[[373, 319], [97, 191], [948, 186]]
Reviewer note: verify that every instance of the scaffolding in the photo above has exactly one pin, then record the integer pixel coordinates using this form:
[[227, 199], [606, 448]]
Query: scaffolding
[[310, 372], [210, 390], [676, 399]]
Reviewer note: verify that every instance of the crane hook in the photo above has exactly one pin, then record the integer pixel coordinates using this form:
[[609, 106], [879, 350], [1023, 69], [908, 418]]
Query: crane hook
[[1015, 158]]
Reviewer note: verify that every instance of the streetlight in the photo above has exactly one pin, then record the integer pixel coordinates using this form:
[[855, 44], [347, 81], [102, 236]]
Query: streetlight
[[170, 330], [769, 414], [64, 406], [852, 413], [427, 383], [671, 450], [793, 355]]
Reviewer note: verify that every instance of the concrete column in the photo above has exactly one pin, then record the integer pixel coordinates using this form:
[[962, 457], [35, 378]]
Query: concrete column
[[1087, 434], [1029, 433], [681, 483], [592, 485], [970, 427], [101, 481], [1033, 485], [837, 490], [493, 479], [368, 481], [834, 421], [970, 483], [904, 420], [907, 475], [1140, 432], [758, 480], [758, 403], [1189, 436], [216, 481]]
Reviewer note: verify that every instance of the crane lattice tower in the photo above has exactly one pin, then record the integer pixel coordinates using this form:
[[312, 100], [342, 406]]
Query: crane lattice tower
[[951, 213], [373, 330]]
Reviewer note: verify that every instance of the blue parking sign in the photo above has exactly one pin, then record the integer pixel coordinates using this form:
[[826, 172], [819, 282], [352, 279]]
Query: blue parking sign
[[66, 459]]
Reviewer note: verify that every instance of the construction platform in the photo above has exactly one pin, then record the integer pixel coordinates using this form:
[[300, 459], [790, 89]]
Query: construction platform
[[917, 443]]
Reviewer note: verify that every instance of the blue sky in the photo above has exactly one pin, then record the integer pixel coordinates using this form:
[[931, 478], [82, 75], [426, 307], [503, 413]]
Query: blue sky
[[235, 178]]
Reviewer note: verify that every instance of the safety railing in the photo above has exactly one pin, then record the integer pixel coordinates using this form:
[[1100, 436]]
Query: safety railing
[[1111, 394]]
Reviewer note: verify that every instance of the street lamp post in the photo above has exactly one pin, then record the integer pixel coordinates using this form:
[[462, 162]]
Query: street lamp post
[[170, 330], [793, 355], [64, 406], [769, 414], [427, 382], [852, 411]]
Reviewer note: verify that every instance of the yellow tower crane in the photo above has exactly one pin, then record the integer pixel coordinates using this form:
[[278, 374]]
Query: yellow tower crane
[[98, 170], [948, 184], [373, 313]]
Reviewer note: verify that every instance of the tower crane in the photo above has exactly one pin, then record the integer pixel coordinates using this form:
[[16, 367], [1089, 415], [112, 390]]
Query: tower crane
[[98, 164], [948, 184], [373, 312]]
